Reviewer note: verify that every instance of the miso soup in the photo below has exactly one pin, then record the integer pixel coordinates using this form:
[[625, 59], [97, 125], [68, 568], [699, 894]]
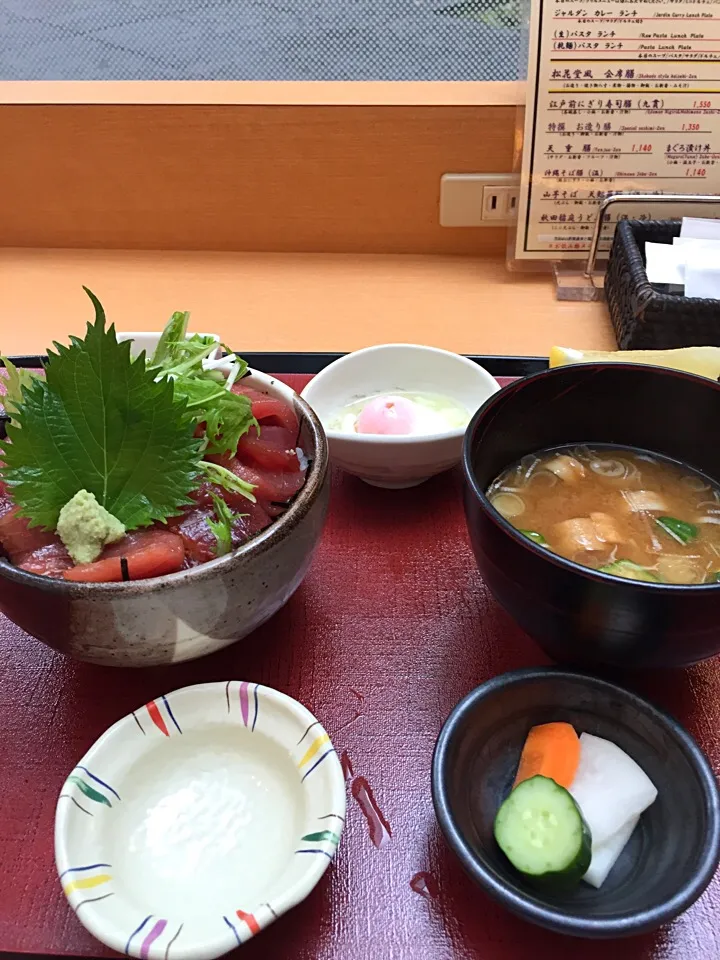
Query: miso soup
[[620, 511]]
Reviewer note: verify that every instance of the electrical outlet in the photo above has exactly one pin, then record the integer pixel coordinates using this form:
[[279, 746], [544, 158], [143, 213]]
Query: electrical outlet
[[500, 203], [478, 199]]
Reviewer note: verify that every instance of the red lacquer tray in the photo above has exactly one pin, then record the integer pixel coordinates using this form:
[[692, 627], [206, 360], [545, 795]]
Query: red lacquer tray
[[392, 626]]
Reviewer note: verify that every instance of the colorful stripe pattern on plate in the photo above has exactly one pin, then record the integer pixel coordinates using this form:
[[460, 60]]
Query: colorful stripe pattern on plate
[[318, 747], [247, 922], [247, 701], [323, 841], [91, 790], [86, 880], [143, 938], [232, 926], [160, 713]]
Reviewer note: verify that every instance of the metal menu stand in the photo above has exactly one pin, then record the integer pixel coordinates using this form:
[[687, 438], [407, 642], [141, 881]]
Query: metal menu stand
[[577, 282]]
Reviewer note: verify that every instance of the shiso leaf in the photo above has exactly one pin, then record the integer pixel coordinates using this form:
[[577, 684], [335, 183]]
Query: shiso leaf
[[100, 421]]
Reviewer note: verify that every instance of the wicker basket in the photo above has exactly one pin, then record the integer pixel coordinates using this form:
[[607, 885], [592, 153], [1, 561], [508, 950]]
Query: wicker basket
[[643, 318]]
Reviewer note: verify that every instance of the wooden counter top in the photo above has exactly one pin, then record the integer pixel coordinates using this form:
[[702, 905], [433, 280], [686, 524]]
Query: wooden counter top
[[295, 302]]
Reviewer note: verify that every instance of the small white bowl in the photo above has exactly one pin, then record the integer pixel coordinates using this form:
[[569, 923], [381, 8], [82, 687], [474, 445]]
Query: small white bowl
[[199, 819], [397, 462]]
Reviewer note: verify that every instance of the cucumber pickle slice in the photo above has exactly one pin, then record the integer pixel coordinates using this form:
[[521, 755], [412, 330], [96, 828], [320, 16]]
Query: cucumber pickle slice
[[541, 831]]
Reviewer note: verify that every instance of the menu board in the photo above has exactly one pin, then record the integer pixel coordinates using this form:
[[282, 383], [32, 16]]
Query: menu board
[[622, 96]]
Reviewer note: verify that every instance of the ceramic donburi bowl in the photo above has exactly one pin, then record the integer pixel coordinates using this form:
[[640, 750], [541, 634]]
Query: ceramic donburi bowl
[[188, 614]]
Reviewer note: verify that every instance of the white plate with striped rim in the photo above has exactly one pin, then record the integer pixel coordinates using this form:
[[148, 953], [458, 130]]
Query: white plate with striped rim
[[199, 819]]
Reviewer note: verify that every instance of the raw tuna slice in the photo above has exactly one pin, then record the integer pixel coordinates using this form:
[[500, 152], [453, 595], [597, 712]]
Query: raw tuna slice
[[30, 548], [48, 561], [6, 503], [270, 410], [17, 537], [274, 449], [149, 553], [271, 486], [251, 519], [199, 540]]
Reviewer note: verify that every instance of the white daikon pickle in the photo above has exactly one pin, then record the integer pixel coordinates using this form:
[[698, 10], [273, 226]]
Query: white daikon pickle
[[610, 788], [605, 855]]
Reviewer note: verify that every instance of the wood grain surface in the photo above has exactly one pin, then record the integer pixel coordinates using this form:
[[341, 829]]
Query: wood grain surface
[[245, 177], [301, 302], [390, 629], [450, 93]]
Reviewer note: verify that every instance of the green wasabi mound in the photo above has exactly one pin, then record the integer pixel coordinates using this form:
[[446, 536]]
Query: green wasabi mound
[[85, 527]]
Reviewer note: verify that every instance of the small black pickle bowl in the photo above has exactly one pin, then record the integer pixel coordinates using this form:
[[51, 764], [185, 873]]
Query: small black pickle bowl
[[674, 851], [577, 615]]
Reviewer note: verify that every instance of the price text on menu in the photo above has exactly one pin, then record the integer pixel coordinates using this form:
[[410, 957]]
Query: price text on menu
[[621, 96]]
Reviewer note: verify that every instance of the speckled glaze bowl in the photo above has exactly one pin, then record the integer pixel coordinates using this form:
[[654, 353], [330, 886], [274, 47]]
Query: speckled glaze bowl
[[188, 614]]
